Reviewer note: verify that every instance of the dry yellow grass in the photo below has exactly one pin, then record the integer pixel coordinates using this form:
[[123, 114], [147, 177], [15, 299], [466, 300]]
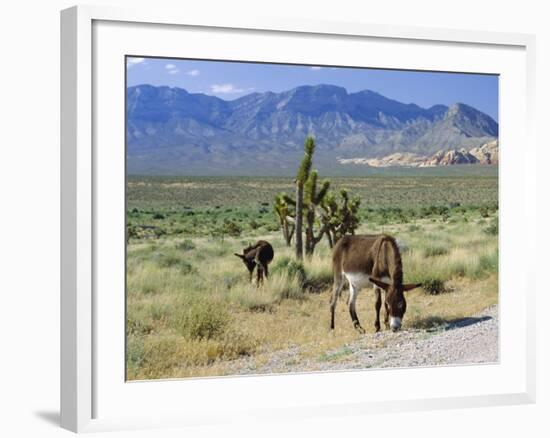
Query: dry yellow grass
[[168, 287]]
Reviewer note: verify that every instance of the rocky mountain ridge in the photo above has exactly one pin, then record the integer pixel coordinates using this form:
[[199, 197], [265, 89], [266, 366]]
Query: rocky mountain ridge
[[172, 131], [486, 154]]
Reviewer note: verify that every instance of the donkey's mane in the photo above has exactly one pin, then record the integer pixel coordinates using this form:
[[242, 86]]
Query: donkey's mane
[[394, 265]]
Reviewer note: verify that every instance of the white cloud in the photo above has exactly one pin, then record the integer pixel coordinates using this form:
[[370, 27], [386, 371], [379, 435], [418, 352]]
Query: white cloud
[[172, 69], [225, 89], [193, 72], [316, 68], [130, 62]]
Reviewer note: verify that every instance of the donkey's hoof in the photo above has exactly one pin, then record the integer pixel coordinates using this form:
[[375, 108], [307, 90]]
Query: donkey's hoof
[[360, 329]]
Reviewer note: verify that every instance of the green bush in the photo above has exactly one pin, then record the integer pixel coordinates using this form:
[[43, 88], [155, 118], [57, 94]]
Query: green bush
[[173, 261], [232, 228], [273, 226], [435, 250], [158, 232], [434, 286], [290, 267], [135, 353], [131, 232], [484, 212], [186, 245], [138, 327], [487, 264], [204, 320], [492, 229]]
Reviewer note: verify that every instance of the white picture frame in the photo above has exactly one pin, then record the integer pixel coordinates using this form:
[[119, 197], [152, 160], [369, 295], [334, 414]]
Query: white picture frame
[[85, 375]]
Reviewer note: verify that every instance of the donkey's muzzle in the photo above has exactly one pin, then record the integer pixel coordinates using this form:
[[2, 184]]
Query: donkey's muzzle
[[395, 323]]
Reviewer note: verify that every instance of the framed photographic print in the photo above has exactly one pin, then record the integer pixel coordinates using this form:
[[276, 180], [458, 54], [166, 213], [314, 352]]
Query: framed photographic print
[[257, 209]]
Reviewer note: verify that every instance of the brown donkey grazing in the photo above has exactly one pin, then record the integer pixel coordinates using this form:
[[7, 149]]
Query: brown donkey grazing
[[370, 260], [258, 255]]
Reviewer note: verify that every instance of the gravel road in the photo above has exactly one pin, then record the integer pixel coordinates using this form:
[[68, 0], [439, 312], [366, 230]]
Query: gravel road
[[467, 341]]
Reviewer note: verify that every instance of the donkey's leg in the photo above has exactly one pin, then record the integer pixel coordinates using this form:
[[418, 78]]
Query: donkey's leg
[[386, 313], [377, 305], [336, 289], [259, 275], [353, 290], [265, 270]]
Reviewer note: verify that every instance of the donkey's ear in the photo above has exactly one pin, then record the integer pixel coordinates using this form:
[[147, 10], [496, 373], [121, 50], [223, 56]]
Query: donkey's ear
[[411, 286], [379, 283], [239, 255]]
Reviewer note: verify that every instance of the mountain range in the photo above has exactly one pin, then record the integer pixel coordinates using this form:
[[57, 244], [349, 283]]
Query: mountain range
[[172, 131]]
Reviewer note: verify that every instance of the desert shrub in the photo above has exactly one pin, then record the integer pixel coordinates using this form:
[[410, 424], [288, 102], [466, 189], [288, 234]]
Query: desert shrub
[[173, 261], [252, 298], [285, 286], [231, 227], [427, 323], [138, 326], [203, 320], [318, 272], [131, 232], [159, 232], [158, 216], [435, 250], [135, 353], [272, 226], [148, 358], [492, 229], [231, 279], [486, 264], [413, 227], [235, 344], [159, 311], [290, 267], [434, 286], [186, 245]]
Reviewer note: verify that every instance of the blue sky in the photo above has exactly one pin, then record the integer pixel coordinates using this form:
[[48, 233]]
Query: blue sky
[[230, 80]]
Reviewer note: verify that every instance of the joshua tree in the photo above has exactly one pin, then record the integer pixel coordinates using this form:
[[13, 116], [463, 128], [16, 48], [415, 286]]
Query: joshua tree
[[312, 202], [301, 178], [340, 215], [284, 207]]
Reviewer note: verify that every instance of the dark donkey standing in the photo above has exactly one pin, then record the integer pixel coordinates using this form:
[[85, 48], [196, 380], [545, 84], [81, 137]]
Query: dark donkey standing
[[370, 260], [258, 255]]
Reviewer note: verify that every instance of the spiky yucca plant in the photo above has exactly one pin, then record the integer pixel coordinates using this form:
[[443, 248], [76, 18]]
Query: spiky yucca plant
[[285, 209], [341, 215], [301, 177], [313, 200]]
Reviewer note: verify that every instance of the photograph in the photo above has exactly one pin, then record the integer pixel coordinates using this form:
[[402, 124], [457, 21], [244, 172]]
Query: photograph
[[298, 218]]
